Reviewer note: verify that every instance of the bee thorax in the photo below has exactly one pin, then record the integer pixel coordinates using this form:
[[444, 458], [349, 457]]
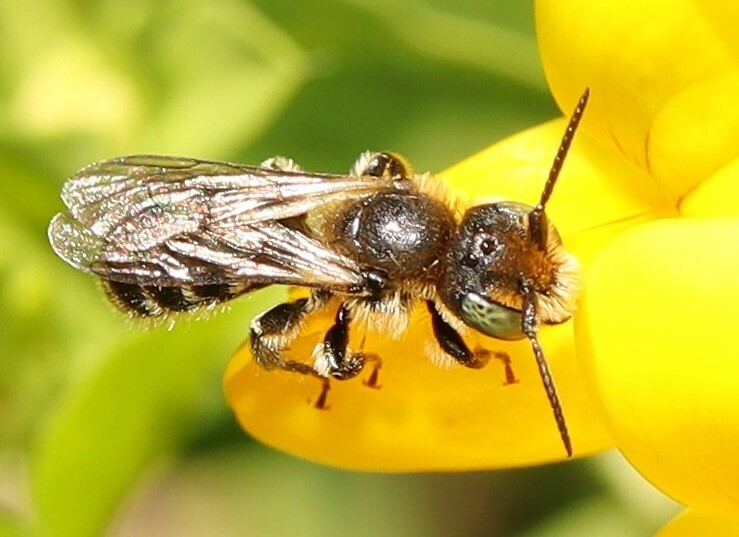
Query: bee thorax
[[403, 235]]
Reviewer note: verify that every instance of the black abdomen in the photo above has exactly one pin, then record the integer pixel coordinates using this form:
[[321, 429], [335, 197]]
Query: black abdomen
[[153, 301]]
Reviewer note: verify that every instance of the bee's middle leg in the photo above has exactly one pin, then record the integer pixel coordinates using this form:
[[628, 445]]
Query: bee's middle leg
[[335, 359], [274, 330], [452, 344]]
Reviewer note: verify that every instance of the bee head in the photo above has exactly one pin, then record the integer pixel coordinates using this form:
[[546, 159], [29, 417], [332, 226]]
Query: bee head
[[500, 252], [506, 270]]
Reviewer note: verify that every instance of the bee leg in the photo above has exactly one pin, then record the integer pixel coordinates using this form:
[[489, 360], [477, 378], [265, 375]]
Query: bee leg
[[452, 343], [321, 402], [373, 381], [334, 359], [274, 330], [510, 377], [280, 164], [385, 165]]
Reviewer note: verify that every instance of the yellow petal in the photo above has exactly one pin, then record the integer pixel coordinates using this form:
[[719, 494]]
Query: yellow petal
[[664, 77], [716, 196], [423, 417], [596, 186], [657, 340], [699, 524]]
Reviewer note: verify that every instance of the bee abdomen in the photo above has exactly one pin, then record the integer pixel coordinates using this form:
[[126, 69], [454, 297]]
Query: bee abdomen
[[153, 301]]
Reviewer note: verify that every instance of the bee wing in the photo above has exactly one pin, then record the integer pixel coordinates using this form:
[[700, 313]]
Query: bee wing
[[171, 221], [103, 195]]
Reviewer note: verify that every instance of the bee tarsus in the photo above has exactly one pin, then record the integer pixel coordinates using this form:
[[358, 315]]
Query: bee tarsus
[[373, 381], [510, 376], [321, 402], [452, 343]]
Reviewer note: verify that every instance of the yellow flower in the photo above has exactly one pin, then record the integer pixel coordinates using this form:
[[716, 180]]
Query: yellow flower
[[655, 333], [646, 201]]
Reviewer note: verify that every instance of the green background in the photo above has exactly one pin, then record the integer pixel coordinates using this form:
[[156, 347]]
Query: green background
[[109, 428]]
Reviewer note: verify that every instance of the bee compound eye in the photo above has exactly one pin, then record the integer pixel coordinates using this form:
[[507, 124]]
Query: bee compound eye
[[490, 318], [488, 244]]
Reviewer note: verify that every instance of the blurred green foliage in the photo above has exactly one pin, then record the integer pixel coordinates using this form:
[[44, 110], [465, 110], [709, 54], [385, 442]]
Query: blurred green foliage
[[90, 404]]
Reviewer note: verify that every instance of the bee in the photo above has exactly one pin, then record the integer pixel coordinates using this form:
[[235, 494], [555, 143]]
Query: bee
[[168, 235]]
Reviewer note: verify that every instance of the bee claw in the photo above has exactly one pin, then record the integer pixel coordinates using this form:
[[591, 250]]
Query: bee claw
[[510, 376], [321, 403], [373, 380], [483, 356]]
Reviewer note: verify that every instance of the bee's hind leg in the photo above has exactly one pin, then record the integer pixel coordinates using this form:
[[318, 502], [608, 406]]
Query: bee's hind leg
[[273, 331]]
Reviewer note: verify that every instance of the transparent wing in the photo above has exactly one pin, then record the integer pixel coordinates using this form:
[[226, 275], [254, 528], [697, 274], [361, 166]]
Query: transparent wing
[[171, 221]]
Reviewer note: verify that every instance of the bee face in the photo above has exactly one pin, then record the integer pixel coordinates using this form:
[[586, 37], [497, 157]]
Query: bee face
[[494, 253]]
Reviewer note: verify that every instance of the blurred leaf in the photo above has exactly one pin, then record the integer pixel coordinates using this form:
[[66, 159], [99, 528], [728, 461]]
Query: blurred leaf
[[589, 518], [227, 69], [138, 403], [181, 76], [436, 32], [10, 527], [322, 80], [395, 76]]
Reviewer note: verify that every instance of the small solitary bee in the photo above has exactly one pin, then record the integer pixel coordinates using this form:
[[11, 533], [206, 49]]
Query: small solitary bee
[[168, 234]]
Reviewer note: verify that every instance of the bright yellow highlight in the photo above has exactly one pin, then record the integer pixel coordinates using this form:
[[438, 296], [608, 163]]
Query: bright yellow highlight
[[670, 390], [698, 524], [716, 195], [663, 75]]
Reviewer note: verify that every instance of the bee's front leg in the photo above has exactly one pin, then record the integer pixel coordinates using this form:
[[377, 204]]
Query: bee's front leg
[[452, 344]]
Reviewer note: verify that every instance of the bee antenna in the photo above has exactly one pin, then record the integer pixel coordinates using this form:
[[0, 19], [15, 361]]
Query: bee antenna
[[537, 219], [564, 147], [529, 327]]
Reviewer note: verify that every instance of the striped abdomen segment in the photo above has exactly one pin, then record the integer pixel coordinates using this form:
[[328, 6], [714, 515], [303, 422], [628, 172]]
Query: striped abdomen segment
[[153, 301]]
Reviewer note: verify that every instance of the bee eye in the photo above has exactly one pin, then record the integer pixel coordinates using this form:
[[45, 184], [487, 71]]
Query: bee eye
[[488, 246], [490, 318], [484, 244]]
